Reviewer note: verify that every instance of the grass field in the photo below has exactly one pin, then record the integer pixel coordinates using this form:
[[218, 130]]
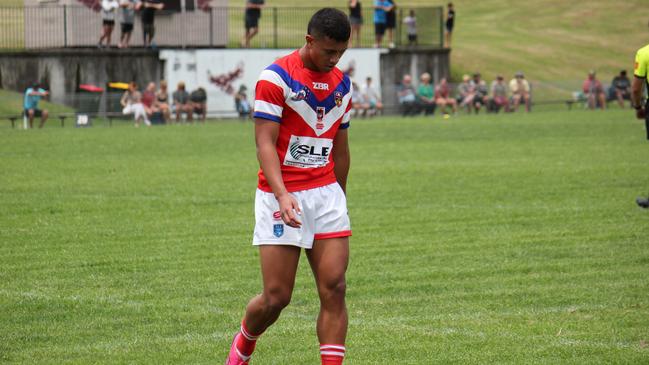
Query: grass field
[[508, 239]]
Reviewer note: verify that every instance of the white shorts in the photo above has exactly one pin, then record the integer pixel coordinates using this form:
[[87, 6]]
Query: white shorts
[[324, 215]]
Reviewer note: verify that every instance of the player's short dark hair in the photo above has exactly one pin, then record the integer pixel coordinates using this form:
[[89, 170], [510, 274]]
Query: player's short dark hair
[[331, 23]]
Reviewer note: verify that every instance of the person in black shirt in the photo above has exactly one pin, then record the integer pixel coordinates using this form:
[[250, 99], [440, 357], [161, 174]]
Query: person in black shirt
[[620, 88], [253, 13], [149, 8], [356, 20], [450, 22]]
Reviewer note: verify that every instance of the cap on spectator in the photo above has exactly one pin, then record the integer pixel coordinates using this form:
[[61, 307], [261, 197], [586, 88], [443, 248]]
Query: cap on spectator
[[591, 72], [519, 74]]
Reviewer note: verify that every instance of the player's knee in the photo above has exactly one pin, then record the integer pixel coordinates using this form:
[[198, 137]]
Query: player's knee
[[276, 300], [334, 290]]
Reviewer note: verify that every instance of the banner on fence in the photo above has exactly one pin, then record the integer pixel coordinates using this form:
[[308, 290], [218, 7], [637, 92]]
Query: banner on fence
[[222, 72]]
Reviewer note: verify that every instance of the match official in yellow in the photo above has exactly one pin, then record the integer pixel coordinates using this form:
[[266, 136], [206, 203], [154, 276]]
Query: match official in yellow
[[639, 102]]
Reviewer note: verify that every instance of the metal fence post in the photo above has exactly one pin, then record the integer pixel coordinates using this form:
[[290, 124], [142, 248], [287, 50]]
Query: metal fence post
[[211, 27], [65, 26], [441, 26], [275, 27]]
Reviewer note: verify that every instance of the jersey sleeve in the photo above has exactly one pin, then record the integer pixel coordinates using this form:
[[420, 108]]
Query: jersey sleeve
[[270, 94], [640, 67]]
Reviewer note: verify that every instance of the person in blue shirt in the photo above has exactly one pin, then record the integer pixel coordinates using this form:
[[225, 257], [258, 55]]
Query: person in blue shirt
[[33, 95], [381, 7]]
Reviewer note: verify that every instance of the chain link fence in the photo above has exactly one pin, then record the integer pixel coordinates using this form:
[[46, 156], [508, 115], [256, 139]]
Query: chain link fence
[[279, 27]]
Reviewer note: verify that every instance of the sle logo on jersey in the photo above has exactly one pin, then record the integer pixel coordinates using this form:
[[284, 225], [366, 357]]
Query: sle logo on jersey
[[320, 86], [308, 152], [338, 98]]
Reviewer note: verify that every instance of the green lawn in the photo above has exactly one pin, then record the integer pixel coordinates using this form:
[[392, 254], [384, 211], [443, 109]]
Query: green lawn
[[499, 239]]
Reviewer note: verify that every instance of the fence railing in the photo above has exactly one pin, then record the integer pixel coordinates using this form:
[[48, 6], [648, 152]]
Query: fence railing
[[279, 27]]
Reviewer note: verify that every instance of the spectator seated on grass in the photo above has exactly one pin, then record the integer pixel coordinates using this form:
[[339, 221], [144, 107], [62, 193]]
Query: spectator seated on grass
[[426, 94], [594, 91], [620, 89], [520, 91], [241, 103], [373, 98], [407, 97], [33, 95], [499, 98], [132, 104], [481, 97], [466, 93], [198, 99], [359, 104], [181, 103], [443, 97]]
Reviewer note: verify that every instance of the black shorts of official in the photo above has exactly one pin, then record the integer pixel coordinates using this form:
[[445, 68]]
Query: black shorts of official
[[148, 29], [379, 29], [412, 37], [252, 18], [127, 28], [108, 22], [37, 112]]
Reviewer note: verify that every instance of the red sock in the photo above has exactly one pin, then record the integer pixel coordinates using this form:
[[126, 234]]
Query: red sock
[[332, 354], [246, 341]]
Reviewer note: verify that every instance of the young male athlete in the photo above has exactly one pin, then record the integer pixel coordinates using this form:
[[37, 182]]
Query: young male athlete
[[302, 111]]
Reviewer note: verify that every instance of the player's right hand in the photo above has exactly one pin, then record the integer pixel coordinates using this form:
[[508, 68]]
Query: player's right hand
[[640, 113], [289, 210]]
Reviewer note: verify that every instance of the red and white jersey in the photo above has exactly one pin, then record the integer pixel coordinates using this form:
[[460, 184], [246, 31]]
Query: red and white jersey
[[310, 107]]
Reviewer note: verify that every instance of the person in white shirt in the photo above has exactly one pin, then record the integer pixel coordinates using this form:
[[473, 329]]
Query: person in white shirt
[[108, 10], [372, 97]]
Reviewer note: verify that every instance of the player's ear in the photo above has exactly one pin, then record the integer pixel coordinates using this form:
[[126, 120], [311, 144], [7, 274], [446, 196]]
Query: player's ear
[[309, 40]]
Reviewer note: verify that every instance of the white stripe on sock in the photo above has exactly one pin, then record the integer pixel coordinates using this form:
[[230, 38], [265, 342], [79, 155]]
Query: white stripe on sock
[[332, 353], [336, 347]]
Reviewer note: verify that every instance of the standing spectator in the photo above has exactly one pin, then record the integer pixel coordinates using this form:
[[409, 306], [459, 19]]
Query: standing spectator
[[162, 101], [391, 22], [108, 8], [132, 103], [411, 25], [128, 18], [356, 20], [443, 96], [252, 15], [594, 91], [426, 94], [372, 97], [407, 97], [198, 98], [466, 93], [520, 89], [450, 23], [149, 8], [621, 88], [241, 103], [481, 97], [182, 104], [381, 7], [359, 104], [499, 95], [33, 95]]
